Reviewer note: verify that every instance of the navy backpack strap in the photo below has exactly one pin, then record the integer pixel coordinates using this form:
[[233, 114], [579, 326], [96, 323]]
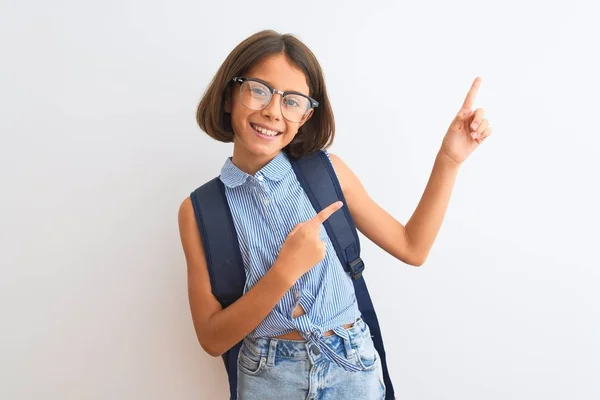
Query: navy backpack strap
[[317, 176], [220, 242], [223, 256]]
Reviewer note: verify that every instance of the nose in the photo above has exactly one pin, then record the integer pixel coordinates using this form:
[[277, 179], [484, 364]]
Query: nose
[[273, 109]]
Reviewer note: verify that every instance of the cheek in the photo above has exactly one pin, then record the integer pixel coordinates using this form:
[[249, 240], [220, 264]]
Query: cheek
[[290, 134], [239, 118], [291, 129]]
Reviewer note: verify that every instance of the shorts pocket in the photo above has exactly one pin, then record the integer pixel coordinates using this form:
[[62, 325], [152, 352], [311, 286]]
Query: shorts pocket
[[366, 355], [249, 363]]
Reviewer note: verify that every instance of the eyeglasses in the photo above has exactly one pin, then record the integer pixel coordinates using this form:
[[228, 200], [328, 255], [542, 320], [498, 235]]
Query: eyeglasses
[[256, 95]]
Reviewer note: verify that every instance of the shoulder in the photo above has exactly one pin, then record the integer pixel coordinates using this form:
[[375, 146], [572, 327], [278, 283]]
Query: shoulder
[[189, 233], [203, 192], [188, 228], [335, 160], [186, 210], [344, 173]]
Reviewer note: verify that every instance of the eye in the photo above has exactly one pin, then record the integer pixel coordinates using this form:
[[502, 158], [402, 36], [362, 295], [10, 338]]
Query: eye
[[291, 102], [296, 103], [258, 91]]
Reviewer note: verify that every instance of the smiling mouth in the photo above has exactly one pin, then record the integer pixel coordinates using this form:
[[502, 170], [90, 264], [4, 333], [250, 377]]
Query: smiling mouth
[[265, 132]]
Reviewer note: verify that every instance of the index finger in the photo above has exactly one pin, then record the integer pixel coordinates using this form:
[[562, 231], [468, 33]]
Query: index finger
[[326, 212], [470, 99]]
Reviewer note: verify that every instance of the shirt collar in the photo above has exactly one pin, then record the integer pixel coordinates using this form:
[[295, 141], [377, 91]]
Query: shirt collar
[[275, 170]]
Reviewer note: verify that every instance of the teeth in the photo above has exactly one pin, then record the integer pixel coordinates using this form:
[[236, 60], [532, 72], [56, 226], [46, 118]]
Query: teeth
[[265, 131]]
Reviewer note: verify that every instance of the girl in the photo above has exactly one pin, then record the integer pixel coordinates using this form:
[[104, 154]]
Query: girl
[[269, 98]]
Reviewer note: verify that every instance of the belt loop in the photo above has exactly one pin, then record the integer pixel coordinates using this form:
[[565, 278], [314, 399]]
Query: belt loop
[[348, 346], [271, 353]]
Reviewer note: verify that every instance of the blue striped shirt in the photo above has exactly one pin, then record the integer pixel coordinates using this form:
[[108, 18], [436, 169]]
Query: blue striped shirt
[[265, 208]]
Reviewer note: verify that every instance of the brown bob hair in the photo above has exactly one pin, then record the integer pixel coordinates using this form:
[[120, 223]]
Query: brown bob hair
[[317, 133]]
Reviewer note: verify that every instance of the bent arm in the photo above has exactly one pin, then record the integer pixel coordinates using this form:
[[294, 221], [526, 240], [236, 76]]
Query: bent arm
[[410, 243], [218, 329]]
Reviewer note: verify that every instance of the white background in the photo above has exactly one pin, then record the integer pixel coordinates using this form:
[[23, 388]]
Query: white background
[[99, 145]]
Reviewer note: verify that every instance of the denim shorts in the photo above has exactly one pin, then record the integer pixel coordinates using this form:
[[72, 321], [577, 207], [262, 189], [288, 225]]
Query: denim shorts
[[271, 368]]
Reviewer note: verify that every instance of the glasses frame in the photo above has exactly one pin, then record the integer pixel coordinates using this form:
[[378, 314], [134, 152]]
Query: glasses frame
[[312, 102]]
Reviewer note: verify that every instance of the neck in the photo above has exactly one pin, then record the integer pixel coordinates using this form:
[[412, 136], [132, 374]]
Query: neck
[[250, 163]]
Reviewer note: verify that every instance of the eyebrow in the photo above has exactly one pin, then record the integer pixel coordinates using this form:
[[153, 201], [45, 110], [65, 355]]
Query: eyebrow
[[288, 90]]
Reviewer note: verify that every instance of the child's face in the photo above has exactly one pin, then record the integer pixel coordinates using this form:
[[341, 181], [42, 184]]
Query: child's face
[[277, 71]]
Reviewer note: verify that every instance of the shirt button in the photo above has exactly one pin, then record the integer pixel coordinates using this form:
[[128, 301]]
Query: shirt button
[[267, 201], [315, 350], [260, 178]]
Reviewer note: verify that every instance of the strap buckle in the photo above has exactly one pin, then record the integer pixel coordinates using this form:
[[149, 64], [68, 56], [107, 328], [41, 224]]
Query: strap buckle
[[356, 268]]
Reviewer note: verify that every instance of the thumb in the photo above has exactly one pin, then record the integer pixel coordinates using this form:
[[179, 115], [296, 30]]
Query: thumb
[[296, 228]]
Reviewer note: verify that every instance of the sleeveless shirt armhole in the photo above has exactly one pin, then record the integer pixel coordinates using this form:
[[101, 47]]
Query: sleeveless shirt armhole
[[329, 158]]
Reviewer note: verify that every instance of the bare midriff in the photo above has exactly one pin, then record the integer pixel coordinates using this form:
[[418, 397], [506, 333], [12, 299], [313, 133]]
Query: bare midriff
[[295, 335]]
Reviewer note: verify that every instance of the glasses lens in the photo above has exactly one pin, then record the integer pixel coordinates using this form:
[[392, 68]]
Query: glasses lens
[[294, 107], [256, 96]]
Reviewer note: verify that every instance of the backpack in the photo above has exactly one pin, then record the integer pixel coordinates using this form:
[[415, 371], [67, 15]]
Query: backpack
[[224, 260]]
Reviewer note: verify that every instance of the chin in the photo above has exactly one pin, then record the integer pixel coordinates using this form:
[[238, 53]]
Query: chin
[[264, 151]]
